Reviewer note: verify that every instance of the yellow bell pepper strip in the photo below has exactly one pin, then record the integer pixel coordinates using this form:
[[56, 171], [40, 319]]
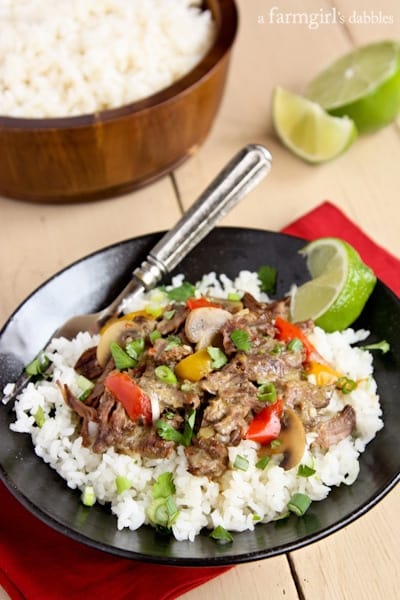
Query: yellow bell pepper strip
[[324, 374], [195, 366], [266, 425], [136, 403], [127, 317]]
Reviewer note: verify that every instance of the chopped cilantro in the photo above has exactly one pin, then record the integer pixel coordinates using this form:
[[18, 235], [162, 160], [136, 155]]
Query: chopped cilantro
[[38, 366], [262, 462], [135, 347], [305, 471], [267, 276], [181, 293], [383, 346], [221, 535]]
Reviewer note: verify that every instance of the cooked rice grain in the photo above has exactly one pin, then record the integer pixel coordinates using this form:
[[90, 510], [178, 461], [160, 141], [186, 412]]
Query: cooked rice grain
[[241, 498], [63, 58]]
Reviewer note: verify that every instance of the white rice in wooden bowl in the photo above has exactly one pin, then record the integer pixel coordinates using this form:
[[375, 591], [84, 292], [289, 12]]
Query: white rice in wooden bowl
[[62, 58]]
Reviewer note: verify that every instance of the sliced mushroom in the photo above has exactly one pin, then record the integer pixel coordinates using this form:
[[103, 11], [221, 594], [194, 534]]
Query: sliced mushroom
[[292, 440], [202, 324], [117, 332]]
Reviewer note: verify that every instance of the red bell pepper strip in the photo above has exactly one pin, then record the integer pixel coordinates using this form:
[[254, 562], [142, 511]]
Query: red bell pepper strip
[[136, 403], [201, 302], [266, 425], [289, 331]]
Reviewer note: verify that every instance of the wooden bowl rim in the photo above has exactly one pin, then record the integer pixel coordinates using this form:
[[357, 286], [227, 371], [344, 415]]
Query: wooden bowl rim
[[227, 21]]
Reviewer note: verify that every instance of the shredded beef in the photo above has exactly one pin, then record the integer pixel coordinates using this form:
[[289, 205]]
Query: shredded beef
[[87, 413], [168, 353], [337, 428], [306, 399], [87, 364], [258, 328], [226, 400], [174, 323], [207, 457]]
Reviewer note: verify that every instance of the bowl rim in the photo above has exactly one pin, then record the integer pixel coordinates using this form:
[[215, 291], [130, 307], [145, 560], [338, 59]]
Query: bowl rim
[[227, 19]]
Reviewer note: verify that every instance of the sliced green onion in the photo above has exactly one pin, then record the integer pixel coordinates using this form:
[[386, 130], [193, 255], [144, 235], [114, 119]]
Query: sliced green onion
[[172, 510], [162, 510], [122, 483], [305, 471], [163, 486], [221, 535], [154, 335], [383, 346], [173, 341], [134, 348], [275, 443], [262, 462], [39, 417], [241, 339], [278, 348], [165, 374], [346, 385], [267, 393], [299, 504], [256, 518], [157, 512], [241, 463], [295, 345], [121, 359], [234, 296], [168, 314], [218, 358], [85, 385], [38, 365], [267, 276], [88, 496]]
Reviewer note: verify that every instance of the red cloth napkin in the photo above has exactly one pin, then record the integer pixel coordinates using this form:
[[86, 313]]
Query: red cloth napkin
[[38, 563], [327, 220]]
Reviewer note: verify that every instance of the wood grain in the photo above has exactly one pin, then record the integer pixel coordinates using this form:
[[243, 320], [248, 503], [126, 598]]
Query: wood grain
[[37, 240], [268, 55]]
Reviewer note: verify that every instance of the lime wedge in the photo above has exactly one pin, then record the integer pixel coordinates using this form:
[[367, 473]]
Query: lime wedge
[[340, 286], [363, 85], [307, 130]]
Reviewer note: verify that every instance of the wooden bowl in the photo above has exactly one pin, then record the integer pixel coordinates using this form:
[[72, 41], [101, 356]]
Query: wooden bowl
[[111, 152]]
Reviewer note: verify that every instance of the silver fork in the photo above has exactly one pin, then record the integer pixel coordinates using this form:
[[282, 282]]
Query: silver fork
[[237, 178]]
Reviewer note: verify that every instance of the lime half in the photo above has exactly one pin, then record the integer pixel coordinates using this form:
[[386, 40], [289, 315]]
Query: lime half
[[363, 85], [307, 130], [340, 286]]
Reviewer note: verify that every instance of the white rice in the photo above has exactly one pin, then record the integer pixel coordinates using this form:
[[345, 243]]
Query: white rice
[[241, 498], [63, 58]]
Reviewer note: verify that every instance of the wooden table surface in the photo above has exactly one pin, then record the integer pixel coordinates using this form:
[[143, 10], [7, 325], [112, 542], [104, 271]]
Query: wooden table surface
[[360, 561]]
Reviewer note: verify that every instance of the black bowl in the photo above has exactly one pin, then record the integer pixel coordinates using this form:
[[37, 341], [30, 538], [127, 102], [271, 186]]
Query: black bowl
[[89, 284]]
